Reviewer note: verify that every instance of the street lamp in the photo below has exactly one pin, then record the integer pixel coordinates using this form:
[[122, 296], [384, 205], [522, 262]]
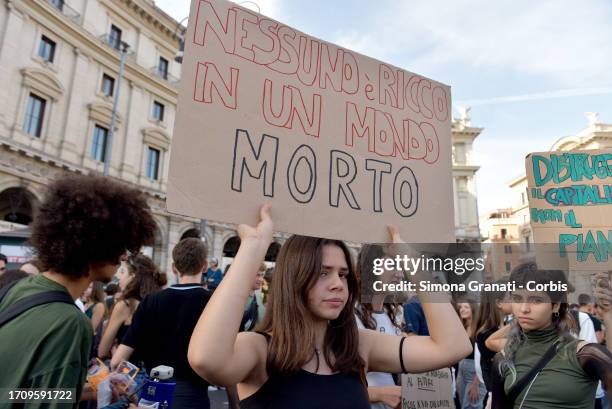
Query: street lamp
[[123, 49]]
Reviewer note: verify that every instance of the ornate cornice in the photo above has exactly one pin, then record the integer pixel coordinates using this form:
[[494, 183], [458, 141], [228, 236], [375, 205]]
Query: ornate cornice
[[156, 138], [42, 81], [102, 113]]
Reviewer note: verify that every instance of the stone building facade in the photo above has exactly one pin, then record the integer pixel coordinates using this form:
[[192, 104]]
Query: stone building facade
[[516, 219], [59, 68], [502, 244], [464, 178]]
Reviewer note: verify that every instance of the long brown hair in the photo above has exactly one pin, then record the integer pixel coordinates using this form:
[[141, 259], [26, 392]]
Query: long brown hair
[[147, 278], [97, 292], [489, 314], [363, 269], [289, 320], [471, 326]]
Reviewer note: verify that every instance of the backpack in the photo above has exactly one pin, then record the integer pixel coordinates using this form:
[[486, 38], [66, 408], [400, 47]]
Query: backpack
[[21, 306]]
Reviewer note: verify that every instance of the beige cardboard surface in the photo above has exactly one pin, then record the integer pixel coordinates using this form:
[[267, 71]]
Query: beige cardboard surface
[[427, 390], [570, 202], [339, 143]]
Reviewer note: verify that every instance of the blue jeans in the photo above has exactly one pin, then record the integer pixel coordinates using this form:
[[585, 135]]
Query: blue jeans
[[465, 377]]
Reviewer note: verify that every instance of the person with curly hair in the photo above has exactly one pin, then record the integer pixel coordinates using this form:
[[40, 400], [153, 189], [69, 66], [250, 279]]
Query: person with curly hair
[[138, 277], [81, 232]]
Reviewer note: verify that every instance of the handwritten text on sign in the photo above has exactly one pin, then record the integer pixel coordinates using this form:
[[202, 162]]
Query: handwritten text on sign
[[570, 200], [267, 113], [430, 390]]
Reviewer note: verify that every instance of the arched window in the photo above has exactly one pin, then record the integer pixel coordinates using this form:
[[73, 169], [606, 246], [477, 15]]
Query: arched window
[[17, 205]]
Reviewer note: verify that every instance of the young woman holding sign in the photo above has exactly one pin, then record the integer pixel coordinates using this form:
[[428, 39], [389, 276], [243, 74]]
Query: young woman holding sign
[[309, 353]]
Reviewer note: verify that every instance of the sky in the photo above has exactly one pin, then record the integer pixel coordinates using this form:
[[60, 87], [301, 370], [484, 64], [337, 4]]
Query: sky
[[530, 70]]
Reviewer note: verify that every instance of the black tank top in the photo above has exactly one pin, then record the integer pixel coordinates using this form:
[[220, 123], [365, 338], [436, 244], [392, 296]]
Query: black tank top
[[306, 390]]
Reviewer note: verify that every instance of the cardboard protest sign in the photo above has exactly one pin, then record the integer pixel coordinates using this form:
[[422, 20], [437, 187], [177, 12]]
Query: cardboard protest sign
[[428, 390], [339, 143], [570, 204]]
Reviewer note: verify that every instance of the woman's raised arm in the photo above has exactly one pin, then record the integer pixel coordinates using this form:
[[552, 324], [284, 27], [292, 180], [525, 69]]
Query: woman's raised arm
[[497, 341], [447, 343], [216, 351]]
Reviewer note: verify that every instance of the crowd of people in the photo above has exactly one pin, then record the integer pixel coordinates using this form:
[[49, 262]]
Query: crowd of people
[[298, 337]]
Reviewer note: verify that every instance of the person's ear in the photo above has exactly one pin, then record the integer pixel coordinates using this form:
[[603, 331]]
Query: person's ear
[[205, 267], [556, 307], [174, 270]]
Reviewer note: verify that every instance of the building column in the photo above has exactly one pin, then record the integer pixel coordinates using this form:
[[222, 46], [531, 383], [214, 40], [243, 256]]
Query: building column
[[10, 47], [132, 147], [473, 203], [172, 240], [165, 254], [469, 157], [218, 243], [456, 202], [71, 144]]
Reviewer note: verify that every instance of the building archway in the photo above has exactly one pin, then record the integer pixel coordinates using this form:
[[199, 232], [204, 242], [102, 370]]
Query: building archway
[[230, 248], [17, 205], [155, 252], [158, 248], [272, 252], [194, 232]]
